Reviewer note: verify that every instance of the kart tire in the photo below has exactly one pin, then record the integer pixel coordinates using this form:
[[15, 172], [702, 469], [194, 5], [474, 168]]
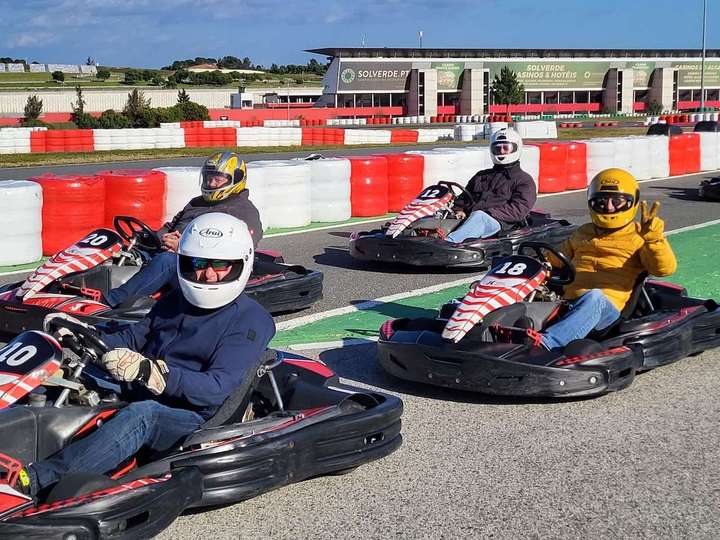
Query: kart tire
[[77, 484]]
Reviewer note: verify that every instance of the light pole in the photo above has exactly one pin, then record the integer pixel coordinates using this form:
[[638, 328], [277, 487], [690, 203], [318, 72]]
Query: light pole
[[702, 63]]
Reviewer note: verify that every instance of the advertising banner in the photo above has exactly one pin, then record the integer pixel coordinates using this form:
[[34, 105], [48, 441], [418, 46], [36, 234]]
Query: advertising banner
[[556, 74], [690, 73], [373, 76], [449, 74]]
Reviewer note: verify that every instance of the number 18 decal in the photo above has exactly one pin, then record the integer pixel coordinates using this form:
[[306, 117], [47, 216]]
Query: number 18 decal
[[512, 269]]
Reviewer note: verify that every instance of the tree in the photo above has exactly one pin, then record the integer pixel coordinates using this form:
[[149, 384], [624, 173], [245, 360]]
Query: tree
[[136, 107], [506, 88], [133, 76], [79, 106], [103, 74], [183, 96], [58, 76], [33, 108], [654, 108], [113, 120]]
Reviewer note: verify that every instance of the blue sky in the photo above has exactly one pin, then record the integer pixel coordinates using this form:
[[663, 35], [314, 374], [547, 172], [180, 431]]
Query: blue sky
[[152, 33]]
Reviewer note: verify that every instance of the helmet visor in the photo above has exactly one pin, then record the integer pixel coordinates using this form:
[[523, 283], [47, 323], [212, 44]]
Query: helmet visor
[[611, 203], [201, 270], [503, 148], [211, 180]]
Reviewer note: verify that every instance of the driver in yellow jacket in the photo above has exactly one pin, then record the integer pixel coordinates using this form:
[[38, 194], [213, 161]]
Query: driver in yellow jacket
[[609, 255]]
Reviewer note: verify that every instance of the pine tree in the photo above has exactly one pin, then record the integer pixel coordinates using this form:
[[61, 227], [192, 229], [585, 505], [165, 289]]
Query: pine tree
[[183, 96], [506, 88], [33, 108], [79, 106]]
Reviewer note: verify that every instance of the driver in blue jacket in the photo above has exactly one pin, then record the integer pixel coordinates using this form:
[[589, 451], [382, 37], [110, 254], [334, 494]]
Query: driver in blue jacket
[[181, 361]]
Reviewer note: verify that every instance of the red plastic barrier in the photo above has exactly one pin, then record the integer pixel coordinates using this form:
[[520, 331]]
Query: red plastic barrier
[[405, 179], [553, 167], [576, 165], [368, 186], [403, 136], [677, 149], [308, 135], [38, 141], [134, 192], [692, 155], [72, 207]]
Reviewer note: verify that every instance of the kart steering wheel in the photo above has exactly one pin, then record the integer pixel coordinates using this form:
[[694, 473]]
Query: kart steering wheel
[[130, 228], [83, 337], [565, 274], [463, 189]]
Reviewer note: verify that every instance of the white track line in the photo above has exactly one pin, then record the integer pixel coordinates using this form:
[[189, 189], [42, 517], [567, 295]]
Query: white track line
[[352, 342], [369, 304]]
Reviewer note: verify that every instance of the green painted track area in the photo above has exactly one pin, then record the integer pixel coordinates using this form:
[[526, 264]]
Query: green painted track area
[[698, 271]]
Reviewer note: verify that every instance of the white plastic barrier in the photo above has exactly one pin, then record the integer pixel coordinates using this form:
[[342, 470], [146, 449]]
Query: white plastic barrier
[[640, 156], [329, 189], [437, 166], [15, 141], [182, 184], [467, 161], [280, 189], [530, 162], [600, 155], [709, 148], [435, 134], [367, 136], [468, 132], [540, 129], [21, 222], [493, 127], [267, 136], [138, 138], [659, 156]]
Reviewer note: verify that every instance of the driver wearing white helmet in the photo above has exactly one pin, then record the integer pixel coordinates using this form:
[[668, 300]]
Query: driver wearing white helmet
[[178, 364], [503, 196]]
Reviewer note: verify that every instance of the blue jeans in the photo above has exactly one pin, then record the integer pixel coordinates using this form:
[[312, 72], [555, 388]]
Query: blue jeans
[[592, 311], [151, 278], [143, 423], [478, 225]]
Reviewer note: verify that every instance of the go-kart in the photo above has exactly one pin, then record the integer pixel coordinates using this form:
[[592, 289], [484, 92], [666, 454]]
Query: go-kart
[[291, 419], [417, 234], [77, 279], [489, 341], [710, 189]]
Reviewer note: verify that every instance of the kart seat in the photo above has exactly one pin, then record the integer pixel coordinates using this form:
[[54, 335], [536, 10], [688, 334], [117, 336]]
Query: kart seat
[[638, 301], [234, 406], [433, 223]]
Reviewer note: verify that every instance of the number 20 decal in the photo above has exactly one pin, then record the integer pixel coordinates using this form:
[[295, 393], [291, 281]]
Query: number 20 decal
[[94, 239], [515, 270], [16, 355]]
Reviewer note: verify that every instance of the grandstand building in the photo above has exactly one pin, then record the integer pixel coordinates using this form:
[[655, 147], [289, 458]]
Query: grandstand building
[[428, 82]]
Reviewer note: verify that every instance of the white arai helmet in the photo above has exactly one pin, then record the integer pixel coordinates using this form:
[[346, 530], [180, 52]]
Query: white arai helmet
[[505, 146], [216, 240]]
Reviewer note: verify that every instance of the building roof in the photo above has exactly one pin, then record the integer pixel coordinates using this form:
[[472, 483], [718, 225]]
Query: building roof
[[389, 52]]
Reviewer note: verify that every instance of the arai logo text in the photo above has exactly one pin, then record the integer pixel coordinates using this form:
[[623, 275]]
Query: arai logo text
[[211, 233]]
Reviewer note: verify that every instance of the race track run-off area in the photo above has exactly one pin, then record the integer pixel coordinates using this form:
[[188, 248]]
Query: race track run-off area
[[643, 462]]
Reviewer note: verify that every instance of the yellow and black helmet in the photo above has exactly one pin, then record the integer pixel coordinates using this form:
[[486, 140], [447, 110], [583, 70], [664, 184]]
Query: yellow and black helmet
[[227, 165], [613, 197]]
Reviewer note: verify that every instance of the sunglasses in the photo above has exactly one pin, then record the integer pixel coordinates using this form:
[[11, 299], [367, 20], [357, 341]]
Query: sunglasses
[[619, 203], [199, 263]]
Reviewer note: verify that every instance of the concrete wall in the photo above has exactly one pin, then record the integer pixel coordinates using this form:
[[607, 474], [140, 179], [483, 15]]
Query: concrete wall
[[60, 101]]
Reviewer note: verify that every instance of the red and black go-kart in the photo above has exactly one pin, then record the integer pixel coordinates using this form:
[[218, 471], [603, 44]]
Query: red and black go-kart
[[291, 419], [710, 189], [488, 342], [77, 279], [417, 234]]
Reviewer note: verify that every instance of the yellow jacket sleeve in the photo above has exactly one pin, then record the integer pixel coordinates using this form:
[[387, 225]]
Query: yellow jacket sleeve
[[566, 248], [658, 258]]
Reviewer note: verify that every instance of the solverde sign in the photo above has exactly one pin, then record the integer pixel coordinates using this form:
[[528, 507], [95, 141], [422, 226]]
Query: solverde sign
[[556, 74], [373, 76], [449, 74]]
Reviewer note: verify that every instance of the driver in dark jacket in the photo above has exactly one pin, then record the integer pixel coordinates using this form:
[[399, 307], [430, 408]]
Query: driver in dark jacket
[[222, 181], [180, 363], [504, 195]]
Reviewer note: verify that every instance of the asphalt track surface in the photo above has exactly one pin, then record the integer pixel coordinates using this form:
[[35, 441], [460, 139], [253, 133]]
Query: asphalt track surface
[[644, 462]]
